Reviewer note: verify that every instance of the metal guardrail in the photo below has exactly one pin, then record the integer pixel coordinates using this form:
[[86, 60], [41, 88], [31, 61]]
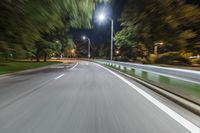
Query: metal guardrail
[[172, 80]]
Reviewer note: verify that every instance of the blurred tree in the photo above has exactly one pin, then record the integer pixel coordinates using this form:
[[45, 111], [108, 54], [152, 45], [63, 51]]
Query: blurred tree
[[43, 48], [153, 21], [70, 47], [103, 50], [23, 22]]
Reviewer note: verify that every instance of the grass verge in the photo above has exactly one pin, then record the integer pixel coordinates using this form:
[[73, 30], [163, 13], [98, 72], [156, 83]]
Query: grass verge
[[14, 66]]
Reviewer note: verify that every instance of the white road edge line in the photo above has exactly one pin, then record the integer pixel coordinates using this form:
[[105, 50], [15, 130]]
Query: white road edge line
[[184, 122], [74, 66], [59, 76]]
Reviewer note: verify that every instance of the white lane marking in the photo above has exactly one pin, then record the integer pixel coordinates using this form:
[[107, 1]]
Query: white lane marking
[[59, 76], [184, 122], [74, 66]]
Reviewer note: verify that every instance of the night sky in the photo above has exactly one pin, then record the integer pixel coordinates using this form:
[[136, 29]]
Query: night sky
[[100, 33]]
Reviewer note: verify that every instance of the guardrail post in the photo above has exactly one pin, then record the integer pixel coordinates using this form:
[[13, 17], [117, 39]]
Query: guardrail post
[[133, 71], [125, 69]]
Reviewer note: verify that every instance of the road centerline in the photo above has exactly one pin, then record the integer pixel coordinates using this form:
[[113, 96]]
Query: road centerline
[[59, 76], [74, 66]]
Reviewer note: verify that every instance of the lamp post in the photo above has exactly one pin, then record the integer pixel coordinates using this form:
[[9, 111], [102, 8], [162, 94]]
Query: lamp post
[[89, 44], [102, 17], [156, 48]]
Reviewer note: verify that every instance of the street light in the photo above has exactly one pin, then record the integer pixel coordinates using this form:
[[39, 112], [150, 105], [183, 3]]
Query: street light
[[117, 52], [89, 44], [102, 17], [73, 51], [156, 47]]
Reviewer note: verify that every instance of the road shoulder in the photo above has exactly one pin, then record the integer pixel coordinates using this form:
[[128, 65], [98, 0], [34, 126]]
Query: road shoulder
[[194, 118]]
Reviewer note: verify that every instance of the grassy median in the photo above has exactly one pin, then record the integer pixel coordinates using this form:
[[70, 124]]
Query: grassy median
[[14, 66]]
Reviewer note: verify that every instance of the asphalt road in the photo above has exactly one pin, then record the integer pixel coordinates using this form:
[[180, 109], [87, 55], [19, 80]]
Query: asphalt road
[[84, 99], [181, 74]]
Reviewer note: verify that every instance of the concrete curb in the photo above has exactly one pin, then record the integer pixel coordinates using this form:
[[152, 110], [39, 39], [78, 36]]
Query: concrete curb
[[179, 100], [27, 71]]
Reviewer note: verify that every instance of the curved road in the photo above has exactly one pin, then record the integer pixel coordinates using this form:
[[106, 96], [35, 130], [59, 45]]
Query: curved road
[[84, 99]]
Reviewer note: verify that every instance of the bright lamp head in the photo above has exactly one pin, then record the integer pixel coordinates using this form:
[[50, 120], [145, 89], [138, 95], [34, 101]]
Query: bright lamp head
[[84, 37], [101, 17]]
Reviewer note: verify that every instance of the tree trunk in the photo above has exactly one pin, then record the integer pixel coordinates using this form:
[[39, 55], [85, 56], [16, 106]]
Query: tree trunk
[[45, 57], [37, 55]]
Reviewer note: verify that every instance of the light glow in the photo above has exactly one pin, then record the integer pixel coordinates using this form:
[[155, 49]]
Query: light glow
[[101, 17], [84, 37]]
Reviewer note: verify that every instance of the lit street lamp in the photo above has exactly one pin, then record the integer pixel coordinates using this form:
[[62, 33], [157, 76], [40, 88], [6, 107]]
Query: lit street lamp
[[89, 44], [73, 51], [102, 17], [117, 52]]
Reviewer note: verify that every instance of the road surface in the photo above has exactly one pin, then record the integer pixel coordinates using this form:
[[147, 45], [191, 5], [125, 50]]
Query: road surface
[[84, 99]]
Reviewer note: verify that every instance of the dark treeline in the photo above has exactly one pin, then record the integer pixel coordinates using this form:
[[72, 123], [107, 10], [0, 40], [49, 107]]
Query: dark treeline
[[39, 28], [174, 25]]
